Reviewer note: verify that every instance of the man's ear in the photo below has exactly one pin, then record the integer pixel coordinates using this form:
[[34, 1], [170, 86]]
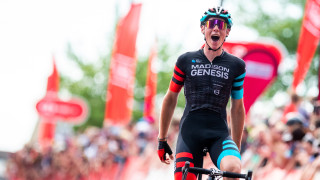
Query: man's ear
[[202, 29], [228, 31]]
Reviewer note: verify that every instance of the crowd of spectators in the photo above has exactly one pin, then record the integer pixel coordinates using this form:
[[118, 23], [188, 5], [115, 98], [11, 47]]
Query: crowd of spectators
[[95, 154], [286, 145]]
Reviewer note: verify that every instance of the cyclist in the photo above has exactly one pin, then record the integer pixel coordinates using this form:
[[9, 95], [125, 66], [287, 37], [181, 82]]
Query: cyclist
[[209, 76]]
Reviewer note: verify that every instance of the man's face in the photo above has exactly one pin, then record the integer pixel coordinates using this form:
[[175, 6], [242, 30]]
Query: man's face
[[215, 31]]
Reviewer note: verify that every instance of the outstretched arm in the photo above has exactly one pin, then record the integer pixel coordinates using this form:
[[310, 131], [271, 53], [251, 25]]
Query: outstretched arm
[[237, 120]]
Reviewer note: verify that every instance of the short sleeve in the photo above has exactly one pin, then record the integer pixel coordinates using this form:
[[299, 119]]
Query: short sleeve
[[179, 76], [237, 84]]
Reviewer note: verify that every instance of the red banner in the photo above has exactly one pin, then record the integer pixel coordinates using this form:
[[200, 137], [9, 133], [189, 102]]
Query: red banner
[[262, 61], [47, 127], [308, 41], [119, 100], [151, 88]]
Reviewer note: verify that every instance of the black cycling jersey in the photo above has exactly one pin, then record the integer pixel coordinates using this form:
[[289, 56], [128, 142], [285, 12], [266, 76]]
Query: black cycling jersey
[[208, 85]]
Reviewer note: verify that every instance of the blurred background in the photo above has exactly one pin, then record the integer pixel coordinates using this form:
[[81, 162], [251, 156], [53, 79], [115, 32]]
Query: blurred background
[[66, 48]]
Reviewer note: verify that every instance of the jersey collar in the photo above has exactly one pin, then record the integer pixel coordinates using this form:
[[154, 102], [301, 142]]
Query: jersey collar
[[217, 57]]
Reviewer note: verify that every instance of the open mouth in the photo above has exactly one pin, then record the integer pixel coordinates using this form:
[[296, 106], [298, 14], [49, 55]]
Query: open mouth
[[215, 38]]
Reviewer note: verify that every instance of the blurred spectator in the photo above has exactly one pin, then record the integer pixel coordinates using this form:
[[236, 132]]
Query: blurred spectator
[[293, 106]]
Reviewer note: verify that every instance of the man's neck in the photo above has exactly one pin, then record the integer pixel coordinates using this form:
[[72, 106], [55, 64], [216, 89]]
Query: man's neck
[[210, 54]]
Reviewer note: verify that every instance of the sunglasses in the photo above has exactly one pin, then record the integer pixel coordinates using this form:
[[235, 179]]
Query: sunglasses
[[212, 23]]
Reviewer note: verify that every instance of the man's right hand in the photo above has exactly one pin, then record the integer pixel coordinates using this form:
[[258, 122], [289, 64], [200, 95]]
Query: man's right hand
[[163, 149]]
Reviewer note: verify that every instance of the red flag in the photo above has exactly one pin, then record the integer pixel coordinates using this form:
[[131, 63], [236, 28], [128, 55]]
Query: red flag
[[47, 126], [151, 87], [308, 41], [53, 80], [119, 101]]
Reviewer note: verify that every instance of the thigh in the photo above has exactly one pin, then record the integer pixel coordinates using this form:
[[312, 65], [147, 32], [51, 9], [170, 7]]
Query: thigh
[[223, 147], [185, 153]]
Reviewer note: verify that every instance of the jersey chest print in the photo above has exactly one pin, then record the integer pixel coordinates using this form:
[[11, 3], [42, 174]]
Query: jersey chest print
[[210, 70], [208, 84], [209, 74]]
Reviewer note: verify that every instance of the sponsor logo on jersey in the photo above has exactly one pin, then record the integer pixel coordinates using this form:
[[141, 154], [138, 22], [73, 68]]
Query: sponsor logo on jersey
[[216, 92], [209, 70], [196, 61]]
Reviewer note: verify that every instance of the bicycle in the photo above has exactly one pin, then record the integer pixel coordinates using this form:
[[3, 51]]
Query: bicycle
[[214, 174]]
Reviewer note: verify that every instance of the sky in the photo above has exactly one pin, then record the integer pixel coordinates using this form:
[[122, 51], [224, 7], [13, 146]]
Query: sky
[[34, 31]]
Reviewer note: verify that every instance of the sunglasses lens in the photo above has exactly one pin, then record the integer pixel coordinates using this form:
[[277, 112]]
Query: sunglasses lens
[[212, 23]]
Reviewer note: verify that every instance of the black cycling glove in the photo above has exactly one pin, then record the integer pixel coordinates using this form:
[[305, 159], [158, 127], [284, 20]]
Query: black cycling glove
[[163, 149]]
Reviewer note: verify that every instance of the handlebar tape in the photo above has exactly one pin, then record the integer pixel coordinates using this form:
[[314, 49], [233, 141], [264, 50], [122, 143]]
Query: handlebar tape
[[233, 175], [199, 170]]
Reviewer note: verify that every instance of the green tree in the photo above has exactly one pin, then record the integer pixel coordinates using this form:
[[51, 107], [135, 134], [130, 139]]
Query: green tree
[[92, 85]]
